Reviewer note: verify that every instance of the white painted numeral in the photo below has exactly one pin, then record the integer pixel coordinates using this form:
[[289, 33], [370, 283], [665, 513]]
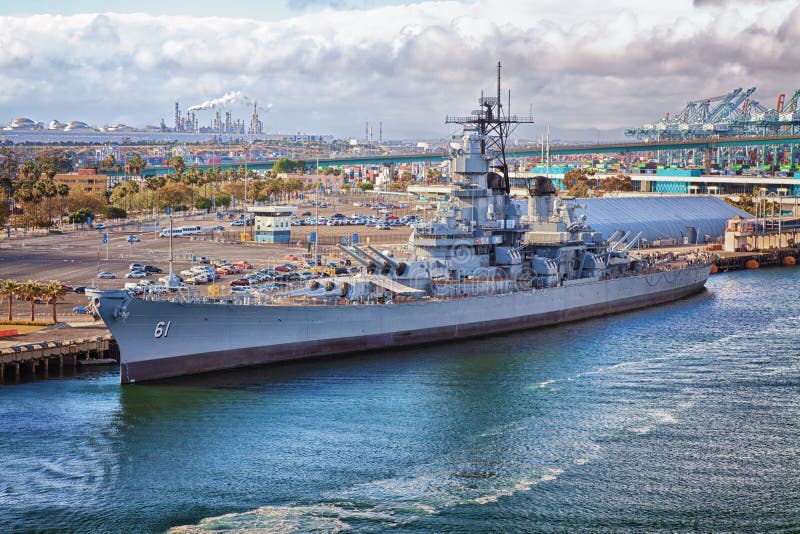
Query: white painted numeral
[[162, 329]]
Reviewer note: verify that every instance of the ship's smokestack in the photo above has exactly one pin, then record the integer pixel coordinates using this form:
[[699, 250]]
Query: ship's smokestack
[[540, 201]]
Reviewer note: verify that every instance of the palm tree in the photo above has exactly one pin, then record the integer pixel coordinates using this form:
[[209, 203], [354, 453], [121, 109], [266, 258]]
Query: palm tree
[[30, 291], [155, 184], [63, 193], [30, 172], [177, 163], [132, 190], [135, 165], [10, 289], [109, 162], [54, 291]]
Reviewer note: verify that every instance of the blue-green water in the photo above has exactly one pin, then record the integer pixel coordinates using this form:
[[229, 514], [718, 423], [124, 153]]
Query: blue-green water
[[681, 417]]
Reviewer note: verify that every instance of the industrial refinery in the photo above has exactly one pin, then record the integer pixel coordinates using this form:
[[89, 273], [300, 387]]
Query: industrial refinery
[[221, 123]]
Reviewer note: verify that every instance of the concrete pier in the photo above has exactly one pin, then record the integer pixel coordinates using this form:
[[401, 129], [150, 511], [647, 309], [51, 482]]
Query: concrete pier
[[37, 356]]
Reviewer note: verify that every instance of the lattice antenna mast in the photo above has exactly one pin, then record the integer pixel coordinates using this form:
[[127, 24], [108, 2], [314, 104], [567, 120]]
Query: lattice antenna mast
[[494, 125]]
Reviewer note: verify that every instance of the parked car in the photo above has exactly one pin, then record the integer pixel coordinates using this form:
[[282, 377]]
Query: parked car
[[134, 288], [136, 267], [240, 282], [156, 289], [137, 274], [241, 289], [152, 269], [134, 238], [80, 290], [100, 226], [107, 275], [82, 310]]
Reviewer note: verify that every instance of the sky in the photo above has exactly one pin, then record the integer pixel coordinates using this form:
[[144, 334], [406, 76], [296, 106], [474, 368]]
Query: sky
[[329, 66]]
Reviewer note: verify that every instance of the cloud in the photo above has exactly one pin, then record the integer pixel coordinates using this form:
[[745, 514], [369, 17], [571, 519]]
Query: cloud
[[718, 3], [593, 65], [308, 4]]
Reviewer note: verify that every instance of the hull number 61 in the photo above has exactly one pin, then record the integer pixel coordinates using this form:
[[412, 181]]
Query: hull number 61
[[162, 329]]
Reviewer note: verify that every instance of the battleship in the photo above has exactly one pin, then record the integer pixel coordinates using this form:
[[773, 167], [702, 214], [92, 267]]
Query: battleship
[[478, 267]]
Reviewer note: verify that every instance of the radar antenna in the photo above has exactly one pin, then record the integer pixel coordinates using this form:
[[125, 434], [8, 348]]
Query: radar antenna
[[494, 124]]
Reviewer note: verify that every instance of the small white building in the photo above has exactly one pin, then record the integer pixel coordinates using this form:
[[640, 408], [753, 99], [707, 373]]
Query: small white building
[[273, 224]]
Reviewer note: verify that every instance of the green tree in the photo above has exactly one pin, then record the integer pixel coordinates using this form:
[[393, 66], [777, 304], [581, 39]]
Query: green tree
[[30, 172], [174, 194], [9, 168], [365, 186], [284, 165], [222, 200], [62, 191], [109, 162], [155, 184], [177, 163], [54, 291], [30, 291], [49, 169], [202, 204], [135, 165], [10, 289], [82, 199], [113, 212], [80, 216]]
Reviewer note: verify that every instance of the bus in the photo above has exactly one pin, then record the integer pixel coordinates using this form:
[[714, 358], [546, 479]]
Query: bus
[[190, 230], [176, 232]]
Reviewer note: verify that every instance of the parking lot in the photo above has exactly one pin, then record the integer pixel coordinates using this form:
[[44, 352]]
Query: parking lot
[[76, 257]]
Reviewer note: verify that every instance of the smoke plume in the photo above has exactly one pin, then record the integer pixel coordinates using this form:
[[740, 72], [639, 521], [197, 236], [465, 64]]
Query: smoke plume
[[234, 97]]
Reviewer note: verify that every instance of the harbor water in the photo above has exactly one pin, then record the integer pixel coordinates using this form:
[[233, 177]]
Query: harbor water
[[680, 417]]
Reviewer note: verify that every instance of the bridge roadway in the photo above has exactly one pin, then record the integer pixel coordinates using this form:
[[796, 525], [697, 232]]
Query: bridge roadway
[[561, 150]]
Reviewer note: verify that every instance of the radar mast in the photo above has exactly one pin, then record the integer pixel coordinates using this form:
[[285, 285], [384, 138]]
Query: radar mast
[[494, 124]]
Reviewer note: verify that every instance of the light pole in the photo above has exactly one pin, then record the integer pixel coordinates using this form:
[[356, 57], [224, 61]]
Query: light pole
[[172, 282]]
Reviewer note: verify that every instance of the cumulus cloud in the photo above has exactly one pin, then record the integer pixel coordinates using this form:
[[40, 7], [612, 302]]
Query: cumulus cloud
[[590, 65]]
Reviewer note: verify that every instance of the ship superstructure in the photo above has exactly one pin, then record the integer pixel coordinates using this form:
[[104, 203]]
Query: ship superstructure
[[478, 267]]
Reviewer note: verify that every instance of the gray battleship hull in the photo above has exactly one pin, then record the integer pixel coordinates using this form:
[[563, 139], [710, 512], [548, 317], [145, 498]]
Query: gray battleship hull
[[167, 339]]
